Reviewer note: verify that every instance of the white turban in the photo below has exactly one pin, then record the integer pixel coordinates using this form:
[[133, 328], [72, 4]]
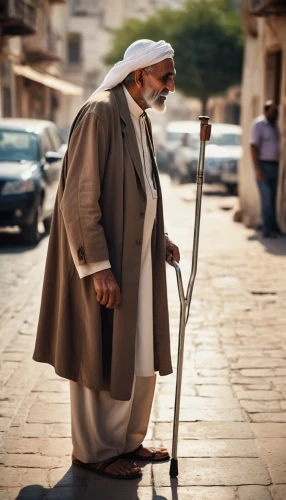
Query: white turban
[[139, 54]]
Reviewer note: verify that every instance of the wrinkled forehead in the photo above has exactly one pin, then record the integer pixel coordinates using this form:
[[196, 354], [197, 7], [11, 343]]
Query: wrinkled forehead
[[165, 67]]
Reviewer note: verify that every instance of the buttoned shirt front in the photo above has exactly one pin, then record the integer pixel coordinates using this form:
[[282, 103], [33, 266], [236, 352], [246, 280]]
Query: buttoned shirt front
[[265, 136]]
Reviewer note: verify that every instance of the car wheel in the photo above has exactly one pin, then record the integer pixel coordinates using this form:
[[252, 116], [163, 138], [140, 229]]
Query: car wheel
[[30, 232], [47, 224]]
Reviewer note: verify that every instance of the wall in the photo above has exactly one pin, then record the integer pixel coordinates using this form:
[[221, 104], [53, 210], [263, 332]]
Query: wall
[[255, 90]]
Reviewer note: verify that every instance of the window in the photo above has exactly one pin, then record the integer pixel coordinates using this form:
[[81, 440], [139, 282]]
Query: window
[[74, 48], [273, 76], [55, 138], [45, 143], [174, 136], [194, 141], [221, 139], [18, 145]]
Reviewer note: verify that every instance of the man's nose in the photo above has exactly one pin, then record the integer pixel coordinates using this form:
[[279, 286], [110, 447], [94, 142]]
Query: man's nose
[[171, 85]]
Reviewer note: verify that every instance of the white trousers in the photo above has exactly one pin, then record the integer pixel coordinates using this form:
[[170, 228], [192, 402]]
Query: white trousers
[[103, 427]]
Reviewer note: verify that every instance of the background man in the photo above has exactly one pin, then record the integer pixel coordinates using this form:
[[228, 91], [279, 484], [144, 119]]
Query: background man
[[265, 154], [104, 316]]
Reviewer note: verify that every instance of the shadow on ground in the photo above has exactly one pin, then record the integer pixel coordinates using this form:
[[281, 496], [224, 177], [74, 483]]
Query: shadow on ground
[[275, 246], [78, 484]]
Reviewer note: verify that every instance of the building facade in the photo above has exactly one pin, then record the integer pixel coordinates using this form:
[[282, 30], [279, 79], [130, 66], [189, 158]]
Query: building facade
[[264, 77], [33, 51]]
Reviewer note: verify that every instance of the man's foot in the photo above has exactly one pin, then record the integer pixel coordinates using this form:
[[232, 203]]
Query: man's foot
[[160, 453], [115, 468], [148, 454]]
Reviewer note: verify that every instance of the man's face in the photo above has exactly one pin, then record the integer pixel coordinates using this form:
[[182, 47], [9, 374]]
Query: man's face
[[272, 113], [158, 84]]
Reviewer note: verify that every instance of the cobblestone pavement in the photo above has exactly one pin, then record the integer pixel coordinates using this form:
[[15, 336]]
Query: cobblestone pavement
[[233, 412]]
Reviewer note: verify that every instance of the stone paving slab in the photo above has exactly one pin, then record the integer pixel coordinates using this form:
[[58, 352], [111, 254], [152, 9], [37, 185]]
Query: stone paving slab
[[206, 430], [201, 403], [215, 472], [268, 417], [278, 492], [207, 415], [273, 451], [260, 406], [269, 430], [213, 447], [195, 493], [253, 492]]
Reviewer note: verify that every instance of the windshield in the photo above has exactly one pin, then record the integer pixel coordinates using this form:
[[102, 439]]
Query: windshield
[[174, 136], [18, 145], [225, 139]]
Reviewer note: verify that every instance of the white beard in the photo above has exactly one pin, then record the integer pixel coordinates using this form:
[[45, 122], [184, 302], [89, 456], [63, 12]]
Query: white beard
[[154, 102]]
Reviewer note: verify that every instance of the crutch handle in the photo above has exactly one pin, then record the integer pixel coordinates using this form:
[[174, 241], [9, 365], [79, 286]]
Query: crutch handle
[[205, 129]]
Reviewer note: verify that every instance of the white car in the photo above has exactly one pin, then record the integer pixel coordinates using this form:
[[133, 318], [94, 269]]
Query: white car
[[176, 131], [223, 153]]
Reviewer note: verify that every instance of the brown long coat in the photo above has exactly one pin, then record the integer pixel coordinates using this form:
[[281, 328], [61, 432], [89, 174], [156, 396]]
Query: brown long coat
[[99, 215]]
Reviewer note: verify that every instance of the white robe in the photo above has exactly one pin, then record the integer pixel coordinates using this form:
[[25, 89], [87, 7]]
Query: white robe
[[144, 353]]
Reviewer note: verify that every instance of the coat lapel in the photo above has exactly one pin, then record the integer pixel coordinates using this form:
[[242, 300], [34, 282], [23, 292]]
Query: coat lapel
[[153, 155], [129, 134]]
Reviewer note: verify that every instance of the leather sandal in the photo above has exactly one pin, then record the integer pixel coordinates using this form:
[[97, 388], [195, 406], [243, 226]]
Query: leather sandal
[[152, 458], [101, 469]]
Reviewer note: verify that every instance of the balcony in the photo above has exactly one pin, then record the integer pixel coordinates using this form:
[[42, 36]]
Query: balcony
[[267, 7], [40, 48], [18, 17]]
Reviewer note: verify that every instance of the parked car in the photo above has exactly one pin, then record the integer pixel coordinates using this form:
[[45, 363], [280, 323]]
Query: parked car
[[31, 154], [225, 149], [159, 138], [176, 137], [223, 153]]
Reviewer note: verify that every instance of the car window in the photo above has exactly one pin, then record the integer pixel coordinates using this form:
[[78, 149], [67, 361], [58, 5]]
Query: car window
[[193, 141], [174, 136], [18, 145], [55, 138], [46, 144], [220, 139]]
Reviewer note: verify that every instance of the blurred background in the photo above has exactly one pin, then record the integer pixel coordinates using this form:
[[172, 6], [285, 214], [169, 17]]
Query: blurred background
[[230, 57]]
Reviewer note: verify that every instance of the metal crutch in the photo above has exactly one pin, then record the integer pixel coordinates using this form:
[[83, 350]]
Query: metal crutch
[[205, 134]]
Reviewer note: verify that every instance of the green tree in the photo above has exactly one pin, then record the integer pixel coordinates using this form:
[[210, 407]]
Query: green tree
[[207, 39]]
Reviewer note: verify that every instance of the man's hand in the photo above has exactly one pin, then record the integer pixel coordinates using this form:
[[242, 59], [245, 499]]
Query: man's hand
[[172, 251], [259, 174], [106, 288]]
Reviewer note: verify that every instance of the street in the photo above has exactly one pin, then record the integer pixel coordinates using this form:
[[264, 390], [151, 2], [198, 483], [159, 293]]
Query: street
[[232, 437]]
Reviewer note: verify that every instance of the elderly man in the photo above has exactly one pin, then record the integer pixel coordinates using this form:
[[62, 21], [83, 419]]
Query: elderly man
[[104, 316], [265, 155]]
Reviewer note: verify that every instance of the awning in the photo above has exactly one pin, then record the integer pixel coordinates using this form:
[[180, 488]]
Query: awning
[[48, 80]]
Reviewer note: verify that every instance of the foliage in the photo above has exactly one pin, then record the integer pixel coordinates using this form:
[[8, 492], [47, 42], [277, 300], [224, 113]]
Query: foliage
[[207, 39]]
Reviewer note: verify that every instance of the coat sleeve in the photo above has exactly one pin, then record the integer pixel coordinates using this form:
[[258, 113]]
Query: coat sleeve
[[87, 269], [80, 207]]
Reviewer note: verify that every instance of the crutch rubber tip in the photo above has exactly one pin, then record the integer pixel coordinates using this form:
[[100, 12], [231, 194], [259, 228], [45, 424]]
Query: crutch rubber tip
[[174, 468]]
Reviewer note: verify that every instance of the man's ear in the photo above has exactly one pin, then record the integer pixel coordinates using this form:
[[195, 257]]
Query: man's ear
[[139, 77]]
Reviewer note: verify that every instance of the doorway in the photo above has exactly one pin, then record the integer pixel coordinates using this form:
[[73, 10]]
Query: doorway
[[273, 76]]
